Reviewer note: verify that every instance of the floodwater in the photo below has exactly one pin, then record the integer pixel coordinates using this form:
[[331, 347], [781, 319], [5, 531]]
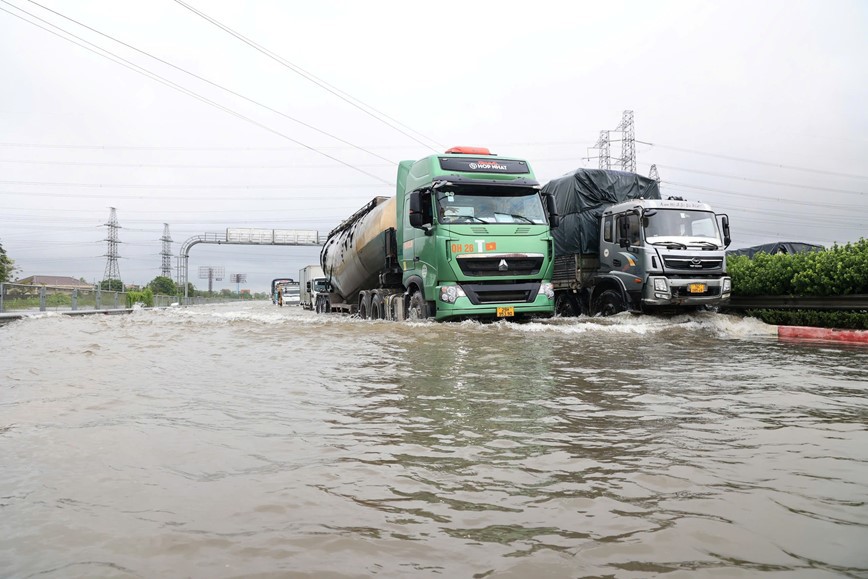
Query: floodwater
[[247, 440]]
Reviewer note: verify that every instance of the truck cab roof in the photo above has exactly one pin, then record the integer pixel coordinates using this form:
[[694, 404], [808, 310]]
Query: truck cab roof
[[657, 204]]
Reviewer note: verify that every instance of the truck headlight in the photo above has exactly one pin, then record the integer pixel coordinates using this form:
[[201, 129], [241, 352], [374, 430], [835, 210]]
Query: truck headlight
[[727, 285], [450, 293], [660, 284], [547, 289]]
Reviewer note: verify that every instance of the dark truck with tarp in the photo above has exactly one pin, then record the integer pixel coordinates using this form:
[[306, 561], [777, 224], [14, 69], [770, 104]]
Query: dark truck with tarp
[[620, 246], [467, 235]]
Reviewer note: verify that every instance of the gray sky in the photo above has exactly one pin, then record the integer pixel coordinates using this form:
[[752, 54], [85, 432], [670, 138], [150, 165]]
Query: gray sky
[[758, 108]]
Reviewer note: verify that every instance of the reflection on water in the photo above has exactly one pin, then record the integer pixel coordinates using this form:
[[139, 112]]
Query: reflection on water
[[251, 440]]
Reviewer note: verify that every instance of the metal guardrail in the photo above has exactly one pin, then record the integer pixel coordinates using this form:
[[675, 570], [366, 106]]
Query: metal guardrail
[[44, 298], [25, 298], [855, 302]]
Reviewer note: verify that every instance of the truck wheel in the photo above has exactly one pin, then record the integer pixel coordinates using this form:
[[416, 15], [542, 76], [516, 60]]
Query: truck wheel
[[609, 303], [566, 306], [418, 309], [378, 309], [364, 305]]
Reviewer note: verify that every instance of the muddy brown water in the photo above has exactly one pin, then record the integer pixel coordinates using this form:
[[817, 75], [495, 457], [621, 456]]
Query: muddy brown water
[[249, 440]]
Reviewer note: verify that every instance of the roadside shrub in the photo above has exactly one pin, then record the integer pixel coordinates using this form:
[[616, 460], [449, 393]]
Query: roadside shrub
[[840, 270], [145, 297], [813, 318]]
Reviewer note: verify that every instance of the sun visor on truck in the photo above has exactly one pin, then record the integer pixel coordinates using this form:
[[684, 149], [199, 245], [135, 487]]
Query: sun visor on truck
[[583, 195]]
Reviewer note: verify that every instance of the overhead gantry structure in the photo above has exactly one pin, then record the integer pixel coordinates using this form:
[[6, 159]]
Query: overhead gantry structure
[[244, 237]]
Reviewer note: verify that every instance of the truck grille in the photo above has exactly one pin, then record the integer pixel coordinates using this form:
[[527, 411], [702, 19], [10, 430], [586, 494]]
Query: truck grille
[[688, 263], [506, 264], [501, 293]]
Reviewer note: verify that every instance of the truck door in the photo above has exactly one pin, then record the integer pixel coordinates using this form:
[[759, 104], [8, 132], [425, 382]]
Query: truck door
[[419, 248], [407, 240]]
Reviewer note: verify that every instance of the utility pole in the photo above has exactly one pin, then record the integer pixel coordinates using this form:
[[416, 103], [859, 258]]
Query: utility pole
[[653, 174], [166, 268], [112, 271]]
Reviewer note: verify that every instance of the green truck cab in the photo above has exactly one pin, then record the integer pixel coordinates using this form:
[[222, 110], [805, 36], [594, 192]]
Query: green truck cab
[[472, 239]]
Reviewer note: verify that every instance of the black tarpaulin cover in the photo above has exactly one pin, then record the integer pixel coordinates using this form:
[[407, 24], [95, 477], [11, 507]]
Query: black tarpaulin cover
[[581, 197], [776, 247]]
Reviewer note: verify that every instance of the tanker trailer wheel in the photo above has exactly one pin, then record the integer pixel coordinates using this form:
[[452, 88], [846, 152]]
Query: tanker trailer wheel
[[418, 309], [378, 308], [566, 306], [364, 305], [609, 303]]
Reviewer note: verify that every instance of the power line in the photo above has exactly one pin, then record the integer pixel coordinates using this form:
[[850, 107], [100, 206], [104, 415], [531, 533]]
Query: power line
[[177, 187], [365, 108], [209, 198], [214, 84], [754, 161], [755, 197], [136, 68], [177, 166], [765, 181]]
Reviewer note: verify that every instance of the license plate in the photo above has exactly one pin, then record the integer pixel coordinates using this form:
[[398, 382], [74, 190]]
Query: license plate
[[696, 288], [505, 312]]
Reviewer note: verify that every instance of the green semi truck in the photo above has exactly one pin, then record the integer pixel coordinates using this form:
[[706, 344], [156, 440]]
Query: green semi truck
[[467, 235]]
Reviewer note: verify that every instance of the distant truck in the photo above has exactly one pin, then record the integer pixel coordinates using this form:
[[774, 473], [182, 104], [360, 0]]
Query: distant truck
[[312, 283], [621, 247], [275, 295], [287, 293], [467, 235]]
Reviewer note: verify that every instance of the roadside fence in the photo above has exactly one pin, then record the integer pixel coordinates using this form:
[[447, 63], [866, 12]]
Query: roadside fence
[[22, 298]]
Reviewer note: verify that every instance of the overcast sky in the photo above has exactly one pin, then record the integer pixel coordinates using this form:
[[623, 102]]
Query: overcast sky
[[758, 108]]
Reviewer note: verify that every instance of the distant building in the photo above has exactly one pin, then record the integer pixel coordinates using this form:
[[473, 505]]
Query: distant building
[[55, 281]]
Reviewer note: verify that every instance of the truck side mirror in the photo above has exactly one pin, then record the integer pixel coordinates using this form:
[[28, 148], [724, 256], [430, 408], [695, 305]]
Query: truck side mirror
[[416, 210], [724, 220], [554, 218], [623, 232]]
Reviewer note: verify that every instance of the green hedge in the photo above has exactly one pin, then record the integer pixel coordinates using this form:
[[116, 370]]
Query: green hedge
[[143, 297], [813, 318], [840, 270]]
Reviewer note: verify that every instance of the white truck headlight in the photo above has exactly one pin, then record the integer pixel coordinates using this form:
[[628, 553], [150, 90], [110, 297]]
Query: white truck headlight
[[450, 293], [547, 289], [727, 285], [660, 284]]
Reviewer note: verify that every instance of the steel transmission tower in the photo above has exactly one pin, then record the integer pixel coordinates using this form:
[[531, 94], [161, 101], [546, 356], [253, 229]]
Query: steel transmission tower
[[166, 268], [112, 271], [628, 143], [603, 145], [653, 174]]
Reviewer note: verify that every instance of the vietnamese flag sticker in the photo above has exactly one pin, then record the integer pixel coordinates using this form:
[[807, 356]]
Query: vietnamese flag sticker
[[490, 246]]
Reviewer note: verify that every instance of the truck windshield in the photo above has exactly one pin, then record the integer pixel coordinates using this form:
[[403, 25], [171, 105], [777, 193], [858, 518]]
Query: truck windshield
[[519, 206], [319, 285], [667, 224]]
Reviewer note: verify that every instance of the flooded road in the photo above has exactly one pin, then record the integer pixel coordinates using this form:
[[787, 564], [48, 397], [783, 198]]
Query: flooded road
[[257, 441]]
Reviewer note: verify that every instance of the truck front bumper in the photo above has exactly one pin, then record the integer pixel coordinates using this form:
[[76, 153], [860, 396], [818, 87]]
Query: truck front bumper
[[663, 291], [542, 306]]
